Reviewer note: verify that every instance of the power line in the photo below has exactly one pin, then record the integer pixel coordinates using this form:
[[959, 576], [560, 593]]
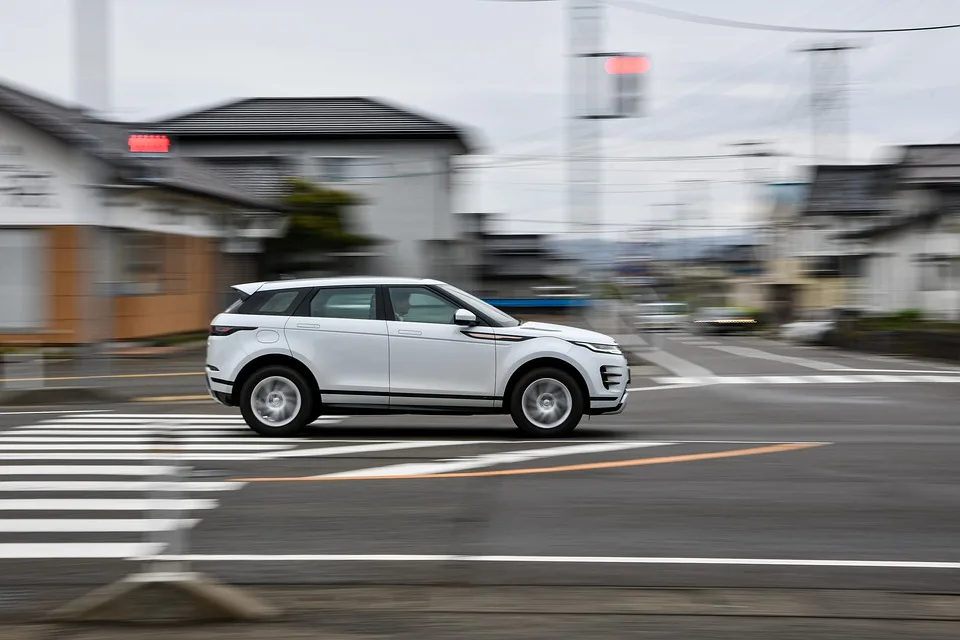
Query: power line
[[685, 16]]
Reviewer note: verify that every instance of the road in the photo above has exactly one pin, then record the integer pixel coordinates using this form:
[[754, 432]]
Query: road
[[747, 468]]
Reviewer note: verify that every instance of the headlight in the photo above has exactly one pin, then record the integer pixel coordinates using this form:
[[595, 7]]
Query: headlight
[[610, 349]]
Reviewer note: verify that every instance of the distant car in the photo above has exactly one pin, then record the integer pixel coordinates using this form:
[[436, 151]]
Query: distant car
[[289, 350], [660, 316], [811, 328], [723, 320]]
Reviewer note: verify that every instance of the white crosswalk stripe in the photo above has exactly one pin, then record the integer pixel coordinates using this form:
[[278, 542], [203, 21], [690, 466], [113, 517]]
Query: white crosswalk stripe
[[60, 498], [818, 379]]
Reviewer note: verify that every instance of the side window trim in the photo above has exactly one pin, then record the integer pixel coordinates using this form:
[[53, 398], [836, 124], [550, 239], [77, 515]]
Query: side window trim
[[304, 309], [388, 301], [258, 298]]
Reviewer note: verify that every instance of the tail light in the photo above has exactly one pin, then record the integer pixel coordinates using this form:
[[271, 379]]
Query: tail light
[[224, 330]]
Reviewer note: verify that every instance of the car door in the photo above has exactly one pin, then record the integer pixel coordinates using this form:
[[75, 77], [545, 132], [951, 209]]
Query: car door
[[433, 362], [340, 333]]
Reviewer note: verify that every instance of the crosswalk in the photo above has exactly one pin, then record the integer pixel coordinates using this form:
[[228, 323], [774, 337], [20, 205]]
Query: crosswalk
[[812, 379], [98, 485]]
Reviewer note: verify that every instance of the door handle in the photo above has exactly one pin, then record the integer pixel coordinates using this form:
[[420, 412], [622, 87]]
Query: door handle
[[307, 325], [409, 332]]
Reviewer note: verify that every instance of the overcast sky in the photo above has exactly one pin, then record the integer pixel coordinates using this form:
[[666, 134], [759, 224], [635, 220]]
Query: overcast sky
[[499, 68]]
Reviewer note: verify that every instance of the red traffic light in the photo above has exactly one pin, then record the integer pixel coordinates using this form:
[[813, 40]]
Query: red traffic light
[[143, 143], [627, 65]]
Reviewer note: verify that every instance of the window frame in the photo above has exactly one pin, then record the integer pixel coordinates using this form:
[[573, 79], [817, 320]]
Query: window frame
[[303, 309], [389, 314], [260, 297]]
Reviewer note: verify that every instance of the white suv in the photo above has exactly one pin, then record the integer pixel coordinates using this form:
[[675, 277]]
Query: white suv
[[290, 350]]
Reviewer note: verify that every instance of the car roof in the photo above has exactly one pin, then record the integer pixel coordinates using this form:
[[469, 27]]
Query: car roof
[[333, 282]]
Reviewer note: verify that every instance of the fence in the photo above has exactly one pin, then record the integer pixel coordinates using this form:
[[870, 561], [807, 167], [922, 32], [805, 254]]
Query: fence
[[919, 344]]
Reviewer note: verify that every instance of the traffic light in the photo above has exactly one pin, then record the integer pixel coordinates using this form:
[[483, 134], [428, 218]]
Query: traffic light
[[629, 74]]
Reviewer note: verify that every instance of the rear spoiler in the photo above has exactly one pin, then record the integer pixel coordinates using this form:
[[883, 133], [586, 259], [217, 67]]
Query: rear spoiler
[[248, 289]]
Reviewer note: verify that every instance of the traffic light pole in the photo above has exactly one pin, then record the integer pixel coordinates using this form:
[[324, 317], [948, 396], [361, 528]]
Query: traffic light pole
[[587, 95]]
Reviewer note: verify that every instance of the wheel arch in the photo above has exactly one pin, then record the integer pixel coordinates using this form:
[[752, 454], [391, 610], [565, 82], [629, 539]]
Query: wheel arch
[[541, 363], [276, 359]]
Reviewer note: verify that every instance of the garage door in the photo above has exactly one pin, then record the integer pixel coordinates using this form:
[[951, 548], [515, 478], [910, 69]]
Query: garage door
[[22, 279]]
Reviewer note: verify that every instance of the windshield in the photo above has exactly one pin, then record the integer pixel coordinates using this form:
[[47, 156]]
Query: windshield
[[499, 317]]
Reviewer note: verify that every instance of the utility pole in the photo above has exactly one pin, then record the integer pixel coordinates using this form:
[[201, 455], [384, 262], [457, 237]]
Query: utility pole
[[601, 85], [829, 109]]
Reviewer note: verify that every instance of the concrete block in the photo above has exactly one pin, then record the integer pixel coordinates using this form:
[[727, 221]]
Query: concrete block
[[171, 598]]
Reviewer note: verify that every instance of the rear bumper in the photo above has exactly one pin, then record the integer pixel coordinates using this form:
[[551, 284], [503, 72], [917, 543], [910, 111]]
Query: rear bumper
[[219, 390]]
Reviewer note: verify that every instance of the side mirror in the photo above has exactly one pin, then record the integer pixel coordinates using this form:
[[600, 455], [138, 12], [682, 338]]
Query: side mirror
[[465, 318]]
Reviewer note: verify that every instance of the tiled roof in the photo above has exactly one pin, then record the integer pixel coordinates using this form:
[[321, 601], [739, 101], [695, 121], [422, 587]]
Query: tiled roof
[[850, 189], [323, 116], [930, 164], [108, 141]]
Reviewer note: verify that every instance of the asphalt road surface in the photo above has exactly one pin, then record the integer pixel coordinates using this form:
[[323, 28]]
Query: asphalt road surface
[[807, 483]]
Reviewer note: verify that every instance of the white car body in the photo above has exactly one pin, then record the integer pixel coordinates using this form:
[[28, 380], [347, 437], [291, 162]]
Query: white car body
[[662, 316], [806, 331], [461, 361]]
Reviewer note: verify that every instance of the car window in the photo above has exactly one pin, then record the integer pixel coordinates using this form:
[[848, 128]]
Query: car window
[[417, 304], [278, 302], [357, 303]]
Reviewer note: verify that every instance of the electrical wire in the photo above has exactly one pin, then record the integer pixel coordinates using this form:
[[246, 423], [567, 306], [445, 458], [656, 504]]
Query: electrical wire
[[685, 16]]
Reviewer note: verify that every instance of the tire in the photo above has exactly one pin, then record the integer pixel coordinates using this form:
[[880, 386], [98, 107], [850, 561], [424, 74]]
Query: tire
[[559, 390], [294, 394]]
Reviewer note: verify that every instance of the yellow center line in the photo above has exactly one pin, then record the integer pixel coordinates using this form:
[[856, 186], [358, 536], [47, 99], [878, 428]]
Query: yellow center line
[[636, 462], [110, 377]]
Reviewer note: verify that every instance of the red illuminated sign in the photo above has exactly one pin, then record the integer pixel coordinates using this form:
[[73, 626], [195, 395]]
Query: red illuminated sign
[[148, 143], [627, 65]]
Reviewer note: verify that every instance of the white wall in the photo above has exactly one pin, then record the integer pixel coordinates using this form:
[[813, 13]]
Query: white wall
[[23, 280], [407, 186]]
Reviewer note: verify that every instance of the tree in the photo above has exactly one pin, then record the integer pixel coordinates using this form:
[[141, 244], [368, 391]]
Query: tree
[[316, 230]]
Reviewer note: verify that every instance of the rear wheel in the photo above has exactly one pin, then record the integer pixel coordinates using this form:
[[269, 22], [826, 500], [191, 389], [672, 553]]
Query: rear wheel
[[547, 403], [276, 401]]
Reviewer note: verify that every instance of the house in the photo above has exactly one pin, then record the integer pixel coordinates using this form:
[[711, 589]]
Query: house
[[401, 163], [99, 243], [822, 257], [914, 254]]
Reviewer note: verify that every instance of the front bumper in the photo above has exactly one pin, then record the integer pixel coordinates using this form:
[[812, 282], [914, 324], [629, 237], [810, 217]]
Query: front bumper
[[601, 406]]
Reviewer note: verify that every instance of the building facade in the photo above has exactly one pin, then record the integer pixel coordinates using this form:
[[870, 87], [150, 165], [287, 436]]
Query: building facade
[[97, 244], [401, 164]]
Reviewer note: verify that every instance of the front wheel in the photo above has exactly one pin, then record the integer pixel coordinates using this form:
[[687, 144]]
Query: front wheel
[[276, 401], [547, 403]]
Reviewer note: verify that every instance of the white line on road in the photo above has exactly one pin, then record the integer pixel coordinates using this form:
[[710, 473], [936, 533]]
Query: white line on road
[[366, 448], [98, 525], [104, 504], [946, 374], [207, 434], [142, 437], [83, 470], [64, 550], [488, 460], [130, 456], [749, 352], [110, 485], [144, 447], [768, 562]]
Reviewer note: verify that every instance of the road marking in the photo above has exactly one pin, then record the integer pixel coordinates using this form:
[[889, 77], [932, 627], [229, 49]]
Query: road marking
[[104, 504], [146, 446], [118, 376], [144, 437], [763, 562], [671, 382], [84, 470], [943, 372], [63, 550], [749, 352], [108, 485], [487, 460], [575, 467], [665, 387], [236, 457], [31, 431], [366, 448], [98, 525]]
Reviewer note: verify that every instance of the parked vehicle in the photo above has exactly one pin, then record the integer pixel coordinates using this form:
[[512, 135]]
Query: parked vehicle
[[723, 320], [291, 350], [655, 316], [811, 328]]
